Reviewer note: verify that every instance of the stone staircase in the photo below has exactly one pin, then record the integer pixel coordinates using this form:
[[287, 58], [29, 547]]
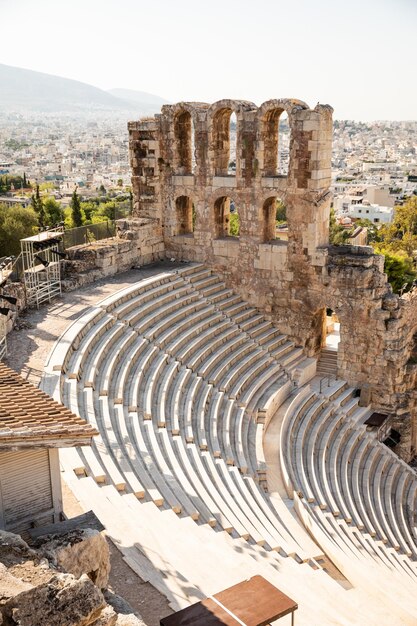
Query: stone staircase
[[327, 363]]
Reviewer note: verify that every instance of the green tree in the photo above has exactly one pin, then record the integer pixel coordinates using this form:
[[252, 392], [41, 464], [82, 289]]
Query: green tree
[[53, 211], [16, 223], [401, 234], [373, 232], [76, 214], [89, 209], [234, 226], [281, 212], [38, 207], [398, 266], [338, 234], [398, 243], [7, 182]]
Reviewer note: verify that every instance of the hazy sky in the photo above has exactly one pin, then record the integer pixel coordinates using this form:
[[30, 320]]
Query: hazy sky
[[360, 56]]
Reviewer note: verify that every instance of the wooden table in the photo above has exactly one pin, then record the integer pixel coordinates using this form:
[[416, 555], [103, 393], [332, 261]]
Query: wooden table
[[253, 602]]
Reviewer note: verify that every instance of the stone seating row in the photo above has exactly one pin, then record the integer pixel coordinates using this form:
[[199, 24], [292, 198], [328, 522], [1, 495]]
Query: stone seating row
[[336, 471], [191, 453], [157, 388], [140, 531], [247, 318], [180, 443]]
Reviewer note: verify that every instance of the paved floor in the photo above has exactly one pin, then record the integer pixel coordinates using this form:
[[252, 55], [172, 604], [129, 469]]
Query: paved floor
[[28, 348]]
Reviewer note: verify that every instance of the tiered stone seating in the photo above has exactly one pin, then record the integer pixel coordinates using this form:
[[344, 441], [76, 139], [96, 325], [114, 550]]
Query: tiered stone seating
[[181, 377], [142, 403], [347, 485]]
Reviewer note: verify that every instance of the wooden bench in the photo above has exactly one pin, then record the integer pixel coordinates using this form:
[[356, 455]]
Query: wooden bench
[[254, 602]]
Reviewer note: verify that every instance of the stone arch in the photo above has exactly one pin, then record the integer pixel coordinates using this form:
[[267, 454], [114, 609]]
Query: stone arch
[[269, 218], [219, 115], [183, 119], [183, 133], [184, 215], [268, 117], [226, 217]]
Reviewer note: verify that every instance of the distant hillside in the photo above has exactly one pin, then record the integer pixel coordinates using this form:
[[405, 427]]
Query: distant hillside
[[138, 97], [26, 90]]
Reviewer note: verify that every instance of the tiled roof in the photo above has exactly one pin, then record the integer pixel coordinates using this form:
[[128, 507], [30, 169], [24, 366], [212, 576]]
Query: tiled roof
[[29, 417]]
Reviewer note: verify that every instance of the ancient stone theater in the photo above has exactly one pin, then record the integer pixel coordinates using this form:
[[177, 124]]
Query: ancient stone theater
[[252, 388]]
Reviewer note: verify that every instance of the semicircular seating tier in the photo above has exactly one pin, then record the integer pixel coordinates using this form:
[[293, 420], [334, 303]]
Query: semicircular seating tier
[[180, 377]]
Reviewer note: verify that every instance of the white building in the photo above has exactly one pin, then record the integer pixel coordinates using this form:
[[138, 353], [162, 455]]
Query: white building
[[375, 213]]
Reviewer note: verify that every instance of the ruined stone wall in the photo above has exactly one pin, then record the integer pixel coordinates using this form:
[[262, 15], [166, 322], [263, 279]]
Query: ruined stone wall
[[189, 194], [138, 242]]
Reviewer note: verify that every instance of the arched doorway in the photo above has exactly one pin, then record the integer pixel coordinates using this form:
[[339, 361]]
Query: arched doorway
[[328, 340], [226, 217], [331, 333]]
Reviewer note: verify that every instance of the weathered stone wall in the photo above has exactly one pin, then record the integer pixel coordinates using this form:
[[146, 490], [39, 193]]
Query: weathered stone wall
[[138, 242], [188, 198]]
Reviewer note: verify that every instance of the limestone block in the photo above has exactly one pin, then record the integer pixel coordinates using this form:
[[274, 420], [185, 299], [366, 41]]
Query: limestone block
[[311, 125], [10, 586], [80, 552], [225, 181], [63, 601], [183, 181], [108, 617]]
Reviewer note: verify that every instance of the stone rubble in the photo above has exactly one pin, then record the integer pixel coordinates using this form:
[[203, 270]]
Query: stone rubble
[[60, 583]]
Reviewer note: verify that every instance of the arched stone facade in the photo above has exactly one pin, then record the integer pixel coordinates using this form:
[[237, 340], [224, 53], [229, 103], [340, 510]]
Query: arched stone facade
[[294, 280]]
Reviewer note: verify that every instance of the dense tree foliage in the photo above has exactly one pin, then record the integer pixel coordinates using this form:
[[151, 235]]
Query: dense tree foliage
[[15, 223], [396, 241], [53, 211], [399, 266], [9, 182], [281, 212], [338, 234], [234, 226]]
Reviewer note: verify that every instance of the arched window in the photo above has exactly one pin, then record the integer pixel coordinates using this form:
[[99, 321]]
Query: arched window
[[184, 143], [276, 136], [226, 217], [231, 168], [224, 128], [284, 135], [184, 214], [274, 219]]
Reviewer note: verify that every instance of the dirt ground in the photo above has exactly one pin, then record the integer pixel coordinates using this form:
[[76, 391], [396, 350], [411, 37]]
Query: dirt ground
[[142, 597]]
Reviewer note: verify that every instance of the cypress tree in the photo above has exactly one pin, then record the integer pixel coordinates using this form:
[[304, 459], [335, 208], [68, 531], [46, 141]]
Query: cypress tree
[[76, 209], [38, 207]]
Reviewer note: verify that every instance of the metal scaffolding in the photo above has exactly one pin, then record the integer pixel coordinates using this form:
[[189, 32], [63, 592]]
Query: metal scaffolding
[[41, 265]]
